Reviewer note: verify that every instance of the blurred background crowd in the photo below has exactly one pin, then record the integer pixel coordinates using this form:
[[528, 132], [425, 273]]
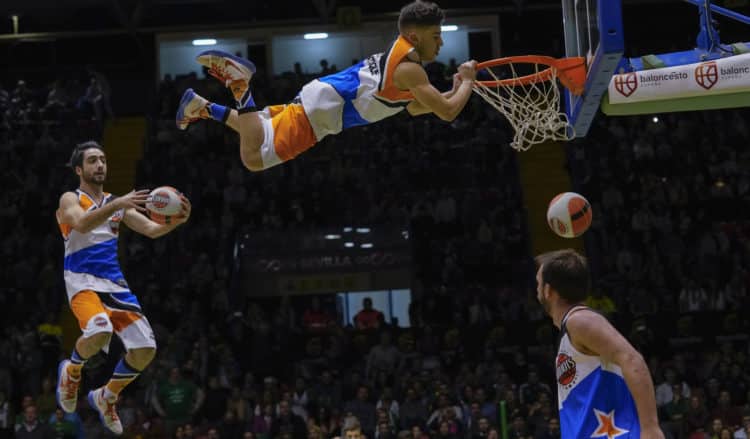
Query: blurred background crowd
[[669, 252]]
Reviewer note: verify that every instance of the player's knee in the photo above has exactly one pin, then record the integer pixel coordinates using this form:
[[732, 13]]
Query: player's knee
[[251, 159], [141, 357], [97, 333], [100, 339]]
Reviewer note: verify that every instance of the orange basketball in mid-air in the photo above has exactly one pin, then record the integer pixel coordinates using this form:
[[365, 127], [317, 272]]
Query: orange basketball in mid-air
[[569, 214]]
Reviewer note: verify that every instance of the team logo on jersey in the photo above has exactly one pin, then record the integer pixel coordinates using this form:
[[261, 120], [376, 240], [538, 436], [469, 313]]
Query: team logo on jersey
[[114, 221], [100, 321], [372, 65], [566, 370], [607, 427]]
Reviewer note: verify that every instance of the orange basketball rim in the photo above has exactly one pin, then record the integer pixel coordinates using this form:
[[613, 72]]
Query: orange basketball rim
[[525, 90], [571, 72]]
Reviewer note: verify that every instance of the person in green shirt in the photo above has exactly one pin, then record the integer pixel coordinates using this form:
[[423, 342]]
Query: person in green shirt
[[675, 411], [26, 401], [176, 400]]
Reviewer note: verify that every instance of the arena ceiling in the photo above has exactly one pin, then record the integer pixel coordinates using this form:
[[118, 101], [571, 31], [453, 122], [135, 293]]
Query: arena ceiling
[[60, 16], [76, 15]]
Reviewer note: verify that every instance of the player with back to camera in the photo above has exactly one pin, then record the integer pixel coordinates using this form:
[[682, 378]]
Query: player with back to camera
[[99, 296], [378, 87], [603, 384]]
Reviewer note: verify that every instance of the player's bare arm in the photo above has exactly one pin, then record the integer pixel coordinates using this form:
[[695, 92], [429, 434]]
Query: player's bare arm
[[591, 333], [412, 77], [415, 108], [140, 223], [70, 211]]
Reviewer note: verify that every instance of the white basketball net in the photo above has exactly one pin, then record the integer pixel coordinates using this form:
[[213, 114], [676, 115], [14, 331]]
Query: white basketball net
[[532, 109]]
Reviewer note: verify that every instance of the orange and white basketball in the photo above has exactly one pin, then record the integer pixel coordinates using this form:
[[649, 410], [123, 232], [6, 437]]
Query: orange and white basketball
[[569, 214], [164, 203]]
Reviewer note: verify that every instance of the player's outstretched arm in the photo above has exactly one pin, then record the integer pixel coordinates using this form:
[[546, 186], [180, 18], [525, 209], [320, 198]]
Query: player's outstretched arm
[[71, 213], [593, 334], [140, 223], [428, 99], [415, 108]]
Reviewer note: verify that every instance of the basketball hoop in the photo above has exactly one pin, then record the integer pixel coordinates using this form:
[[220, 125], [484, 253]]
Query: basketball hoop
[[525, 90]]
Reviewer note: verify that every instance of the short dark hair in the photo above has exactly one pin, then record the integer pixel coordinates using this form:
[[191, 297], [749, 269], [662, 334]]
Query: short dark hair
[[567, 272], [76, 158], [420, 13]]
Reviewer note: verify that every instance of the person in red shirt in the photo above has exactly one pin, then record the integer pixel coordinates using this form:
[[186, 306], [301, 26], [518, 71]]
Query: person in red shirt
[[315, 318], [368, 317]]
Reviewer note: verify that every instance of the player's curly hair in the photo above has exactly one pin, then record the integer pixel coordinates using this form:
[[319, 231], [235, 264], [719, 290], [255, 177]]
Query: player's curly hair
[[420, 13], [76, 158]]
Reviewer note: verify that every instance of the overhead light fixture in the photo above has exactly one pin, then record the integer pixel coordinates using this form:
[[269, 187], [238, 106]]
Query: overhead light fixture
[[366, 245], [333, 236], [204, 42], [363, 230], [347, 229], [316, 36], [348, 244], [448, 27]]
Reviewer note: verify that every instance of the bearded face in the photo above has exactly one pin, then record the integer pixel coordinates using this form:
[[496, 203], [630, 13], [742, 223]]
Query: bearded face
[[93, 169], [540, 292]]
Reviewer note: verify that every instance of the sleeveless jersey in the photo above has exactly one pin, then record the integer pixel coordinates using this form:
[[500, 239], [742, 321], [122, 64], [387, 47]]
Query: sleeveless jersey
[[362, 94], [91, 258], [593, 398]]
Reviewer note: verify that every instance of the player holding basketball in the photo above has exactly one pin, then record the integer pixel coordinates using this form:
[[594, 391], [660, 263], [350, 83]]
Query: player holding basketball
[[603, 384], [99, 296], [378, 87]]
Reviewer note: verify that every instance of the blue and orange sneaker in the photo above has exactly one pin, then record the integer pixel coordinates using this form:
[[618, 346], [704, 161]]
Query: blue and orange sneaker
[[192, 108], [234, 72]]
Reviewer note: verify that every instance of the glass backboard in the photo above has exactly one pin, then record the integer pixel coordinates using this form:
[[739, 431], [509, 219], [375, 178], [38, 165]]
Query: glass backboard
[[593, 30]]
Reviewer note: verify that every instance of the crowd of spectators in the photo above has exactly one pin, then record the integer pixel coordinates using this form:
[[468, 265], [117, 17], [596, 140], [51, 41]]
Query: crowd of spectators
[[668, 249], [669, 239], [38, 126], [671, 190]]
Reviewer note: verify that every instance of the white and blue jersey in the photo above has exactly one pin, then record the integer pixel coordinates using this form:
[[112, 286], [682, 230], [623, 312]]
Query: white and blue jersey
[[91, 258], [594, 400], [362, 94]]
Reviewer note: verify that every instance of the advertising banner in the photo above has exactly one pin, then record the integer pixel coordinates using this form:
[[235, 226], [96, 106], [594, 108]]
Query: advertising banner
[[710, 78]]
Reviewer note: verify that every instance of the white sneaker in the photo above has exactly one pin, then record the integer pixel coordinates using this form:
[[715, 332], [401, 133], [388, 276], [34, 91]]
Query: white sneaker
[[67, 388], [106, 409], [192, 108], [234, 72], [226, 67]]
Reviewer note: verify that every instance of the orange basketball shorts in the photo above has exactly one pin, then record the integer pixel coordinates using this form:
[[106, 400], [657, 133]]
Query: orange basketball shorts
[[113, 312], [287, 133]]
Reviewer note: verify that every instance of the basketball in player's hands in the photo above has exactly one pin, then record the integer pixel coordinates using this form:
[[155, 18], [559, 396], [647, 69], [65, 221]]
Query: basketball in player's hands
[[164, 204], [569, 214]]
